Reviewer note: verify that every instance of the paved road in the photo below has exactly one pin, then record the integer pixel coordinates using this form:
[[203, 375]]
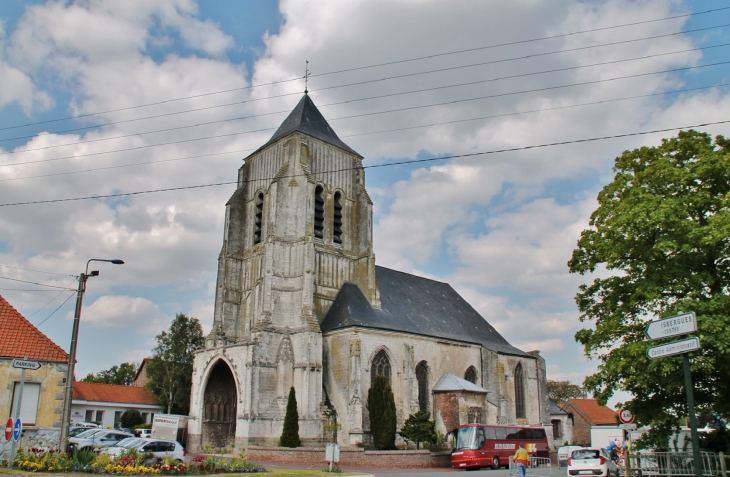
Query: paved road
[[380, 472]]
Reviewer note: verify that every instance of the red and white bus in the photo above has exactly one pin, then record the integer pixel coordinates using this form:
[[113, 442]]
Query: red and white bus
[[486, 445]]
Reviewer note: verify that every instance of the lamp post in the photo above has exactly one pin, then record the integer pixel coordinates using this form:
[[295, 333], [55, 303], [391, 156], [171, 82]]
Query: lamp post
[[66, 413]]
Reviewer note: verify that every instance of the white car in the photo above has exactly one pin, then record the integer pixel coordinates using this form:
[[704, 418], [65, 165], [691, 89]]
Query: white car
[[96, 438], [159, 447], [121, 445], [591, 461]]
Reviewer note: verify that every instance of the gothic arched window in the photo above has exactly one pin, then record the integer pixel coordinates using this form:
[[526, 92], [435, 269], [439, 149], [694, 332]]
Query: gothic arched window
[[258, 218], [520, 392], [471, 375], [337, 219], [381, 365], [422, 378], [319, 212]]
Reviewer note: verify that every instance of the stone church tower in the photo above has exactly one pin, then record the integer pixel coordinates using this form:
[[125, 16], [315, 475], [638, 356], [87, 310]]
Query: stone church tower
[[300, 302], [298, 226]]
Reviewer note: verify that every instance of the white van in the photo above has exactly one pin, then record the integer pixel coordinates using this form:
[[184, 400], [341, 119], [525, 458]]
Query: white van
[[563, 454]]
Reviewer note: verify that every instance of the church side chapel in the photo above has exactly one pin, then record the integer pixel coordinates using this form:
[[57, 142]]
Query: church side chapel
[[300, 302]]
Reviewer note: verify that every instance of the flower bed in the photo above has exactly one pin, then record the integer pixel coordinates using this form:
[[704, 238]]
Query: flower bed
[[128, 463]]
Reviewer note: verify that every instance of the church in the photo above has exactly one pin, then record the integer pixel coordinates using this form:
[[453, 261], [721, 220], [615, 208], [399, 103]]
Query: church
[[300, 302]]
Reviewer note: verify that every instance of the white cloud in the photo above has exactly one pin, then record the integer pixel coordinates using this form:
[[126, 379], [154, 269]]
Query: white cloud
[[124, 312]]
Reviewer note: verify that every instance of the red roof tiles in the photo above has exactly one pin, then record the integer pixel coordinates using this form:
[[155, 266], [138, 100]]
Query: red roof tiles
[[600, 415], [112, 393], [19, 338]]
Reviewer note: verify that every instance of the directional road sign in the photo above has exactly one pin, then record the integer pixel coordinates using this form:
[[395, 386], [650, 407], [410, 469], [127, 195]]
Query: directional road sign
[[25, 364], [9, 429], [678, 347], [17, 427], [672, 326], [625, 416]]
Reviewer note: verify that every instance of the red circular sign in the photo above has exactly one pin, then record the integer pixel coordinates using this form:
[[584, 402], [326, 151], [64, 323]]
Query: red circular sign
[[625, 416], [9, 429]]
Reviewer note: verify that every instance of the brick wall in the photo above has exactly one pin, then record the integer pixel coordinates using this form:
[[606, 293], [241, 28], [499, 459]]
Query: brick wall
[[581, 427], [350, 457]]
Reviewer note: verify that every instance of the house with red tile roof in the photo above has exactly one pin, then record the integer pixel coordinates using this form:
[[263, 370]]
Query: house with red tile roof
[[105, 403], [42, 399], [585, 414]]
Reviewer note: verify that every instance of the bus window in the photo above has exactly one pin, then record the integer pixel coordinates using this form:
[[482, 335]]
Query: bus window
[[481, 439], [501, 433], [524, 434], [513, 434], [490, 433], [539, 434], [464, 438]]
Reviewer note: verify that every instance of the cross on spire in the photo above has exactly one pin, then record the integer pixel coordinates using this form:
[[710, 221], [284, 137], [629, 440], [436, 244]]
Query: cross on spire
[[306, 75]]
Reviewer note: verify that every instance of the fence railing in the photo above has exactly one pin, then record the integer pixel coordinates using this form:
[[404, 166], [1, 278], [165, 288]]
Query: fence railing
[[656, 464], [539, 467]]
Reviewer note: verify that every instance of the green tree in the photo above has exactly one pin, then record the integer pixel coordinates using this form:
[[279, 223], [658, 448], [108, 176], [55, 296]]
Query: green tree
[[419, 428], [131, 418], [170, 370], [381, 408], [122, 374], [561, 391], [661, 233], [290, 433]]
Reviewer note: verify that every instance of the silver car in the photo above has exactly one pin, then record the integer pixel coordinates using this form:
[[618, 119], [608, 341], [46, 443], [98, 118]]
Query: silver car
[[159, 447], [96, 438]]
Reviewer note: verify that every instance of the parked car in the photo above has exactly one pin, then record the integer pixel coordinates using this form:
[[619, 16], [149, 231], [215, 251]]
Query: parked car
[[143, 433], [159, 447], [90, 425], [75, 431], [96, 439], [564, 454], [591, 461], [121, 446]]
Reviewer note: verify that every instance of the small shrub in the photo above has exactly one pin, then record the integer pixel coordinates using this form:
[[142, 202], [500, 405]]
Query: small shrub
[[290, 433]]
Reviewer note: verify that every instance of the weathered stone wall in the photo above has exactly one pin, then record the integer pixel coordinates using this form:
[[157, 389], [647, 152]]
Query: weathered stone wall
[[50, 376], [33, 436], [581, 426], [350, 457]]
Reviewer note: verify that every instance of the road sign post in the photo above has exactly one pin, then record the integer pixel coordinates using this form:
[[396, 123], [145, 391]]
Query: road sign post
[[677, 325], [23, 364], [9, 429]]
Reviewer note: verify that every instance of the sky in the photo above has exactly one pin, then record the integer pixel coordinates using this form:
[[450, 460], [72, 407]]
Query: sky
[[101, 99]]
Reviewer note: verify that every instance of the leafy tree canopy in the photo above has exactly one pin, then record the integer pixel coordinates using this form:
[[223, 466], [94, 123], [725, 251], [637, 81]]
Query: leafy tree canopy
[[419, 428], [170, 370], [662, 233], [561, 391], [122, 374]]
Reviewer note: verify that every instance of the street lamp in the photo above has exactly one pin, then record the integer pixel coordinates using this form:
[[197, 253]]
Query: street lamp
[[66, 413]]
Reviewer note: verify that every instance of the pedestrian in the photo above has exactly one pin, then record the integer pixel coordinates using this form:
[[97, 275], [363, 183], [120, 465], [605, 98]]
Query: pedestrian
[[521, 460]]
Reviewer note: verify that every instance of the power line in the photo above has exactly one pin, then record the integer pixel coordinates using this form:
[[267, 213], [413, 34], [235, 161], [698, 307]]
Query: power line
[[38, 271], [54, 311], [499, 45], [47, 303], [591, 103], [34, 283], [535, 55], [27, 290], [415, 161], [674, 70]]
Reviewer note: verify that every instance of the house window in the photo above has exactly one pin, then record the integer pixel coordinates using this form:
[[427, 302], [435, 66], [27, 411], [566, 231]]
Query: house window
[[117, 418], [144, 417], [29, 404], [381, 365], [471, 375], [422, 378], [337, 220], [89, 416], [520, 392], [319, 212], [258, 218], [99, 416], [557, 428]]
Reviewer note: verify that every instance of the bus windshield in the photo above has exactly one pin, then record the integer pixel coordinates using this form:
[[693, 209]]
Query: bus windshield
[[464, 438]]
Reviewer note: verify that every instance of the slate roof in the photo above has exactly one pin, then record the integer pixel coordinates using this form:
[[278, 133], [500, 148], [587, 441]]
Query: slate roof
[[589, 408], [19, 338], [306, 118], [112, 393], [451, 382], [555, 409], [416, 305]]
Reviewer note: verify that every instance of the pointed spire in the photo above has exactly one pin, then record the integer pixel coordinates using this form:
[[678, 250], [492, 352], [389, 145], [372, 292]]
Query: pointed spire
[[307, 119]]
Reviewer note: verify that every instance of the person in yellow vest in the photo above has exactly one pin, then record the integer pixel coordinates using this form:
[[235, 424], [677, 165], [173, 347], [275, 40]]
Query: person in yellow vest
[[521, 460]]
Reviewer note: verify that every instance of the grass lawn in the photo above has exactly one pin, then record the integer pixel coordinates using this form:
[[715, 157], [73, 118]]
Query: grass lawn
[[271, 472]]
